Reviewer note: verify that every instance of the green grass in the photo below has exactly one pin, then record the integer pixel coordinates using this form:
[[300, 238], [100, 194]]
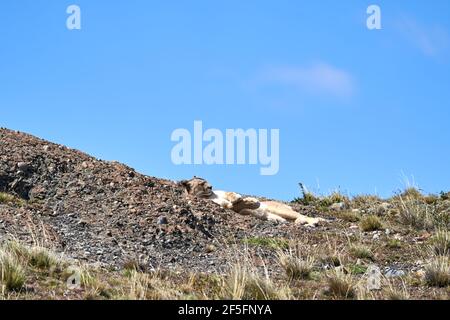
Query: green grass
[[356, 269], [272, 243], [10, 199]]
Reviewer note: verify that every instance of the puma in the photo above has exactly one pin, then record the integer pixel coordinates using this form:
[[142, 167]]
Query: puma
[[266, 210]]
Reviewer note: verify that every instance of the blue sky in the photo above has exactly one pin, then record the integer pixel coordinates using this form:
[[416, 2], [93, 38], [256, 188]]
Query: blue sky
[[357, 110]]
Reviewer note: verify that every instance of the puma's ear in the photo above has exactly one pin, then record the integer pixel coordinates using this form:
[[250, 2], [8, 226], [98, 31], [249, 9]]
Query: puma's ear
[[185, 183]]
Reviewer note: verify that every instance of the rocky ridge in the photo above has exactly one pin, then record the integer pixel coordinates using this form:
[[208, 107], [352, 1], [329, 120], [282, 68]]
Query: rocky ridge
[[106, 212]]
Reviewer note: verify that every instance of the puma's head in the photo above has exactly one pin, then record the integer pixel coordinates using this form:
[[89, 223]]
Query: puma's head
[[198, 187]]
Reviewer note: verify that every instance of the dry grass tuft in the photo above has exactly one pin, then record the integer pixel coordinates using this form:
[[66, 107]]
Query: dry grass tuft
[[341, 285], [437, 273], [42, 258], [393, 292], [370, 223], [361, 251], [441, 243], [420, 212], [12, 275], [244, 281], [296, 262]]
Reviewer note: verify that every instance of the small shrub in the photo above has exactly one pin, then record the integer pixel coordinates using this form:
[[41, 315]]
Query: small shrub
[[370, 223]]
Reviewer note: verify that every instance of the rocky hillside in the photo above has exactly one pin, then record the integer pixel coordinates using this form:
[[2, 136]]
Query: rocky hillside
[[109, 218], [106, 212]]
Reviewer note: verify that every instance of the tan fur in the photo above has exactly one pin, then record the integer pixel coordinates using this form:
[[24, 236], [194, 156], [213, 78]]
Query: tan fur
[[266, 210], [282, 210]]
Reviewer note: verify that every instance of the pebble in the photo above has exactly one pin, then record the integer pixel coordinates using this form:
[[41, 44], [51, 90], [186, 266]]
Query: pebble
[[162, 220], [394, 273], [82, 222], [23, 166]]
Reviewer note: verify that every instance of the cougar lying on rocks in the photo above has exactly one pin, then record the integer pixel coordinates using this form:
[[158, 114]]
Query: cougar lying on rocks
[[266, 210]]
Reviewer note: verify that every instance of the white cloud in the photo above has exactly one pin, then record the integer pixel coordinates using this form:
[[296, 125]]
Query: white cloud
[[320, 78], [432, 41]]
